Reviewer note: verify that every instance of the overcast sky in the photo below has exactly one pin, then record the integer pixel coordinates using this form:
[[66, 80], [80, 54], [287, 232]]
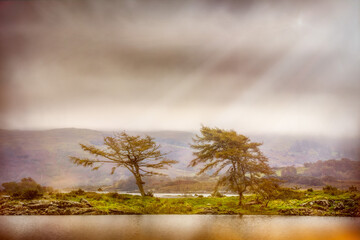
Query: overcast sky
[[285, 67]]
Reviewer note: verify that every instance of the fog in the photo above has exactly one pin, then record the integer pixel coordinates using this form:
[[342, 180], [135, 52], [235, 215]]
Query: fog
[[253, 66]]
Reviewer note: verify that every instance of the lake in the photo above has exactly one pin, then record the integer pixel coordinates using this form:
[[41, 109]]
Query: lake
[[174, 227], [176, 195], [165, 195]]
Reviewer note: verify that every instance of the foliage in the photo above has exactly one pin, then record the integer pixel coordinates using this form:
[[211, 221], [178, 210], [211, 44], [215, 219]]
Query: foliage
[[140, 155], [237, 160], [78, 192], [30, 194], [353, 189], [345, 169], [27, 188], [180, 184], [303, 180], [267, 188], [331, 190], [288, 201], [288, 193], [217, 194], [288, 171], [149, 194]]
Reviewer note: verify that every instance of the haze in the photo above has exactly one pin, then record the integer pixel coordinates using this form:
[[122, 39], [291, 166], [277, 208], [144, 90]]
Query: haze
[[253, 66]]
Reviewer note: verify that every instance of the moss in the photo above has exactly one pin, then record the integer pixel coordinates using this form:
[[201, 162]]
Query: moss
[[298, 205]]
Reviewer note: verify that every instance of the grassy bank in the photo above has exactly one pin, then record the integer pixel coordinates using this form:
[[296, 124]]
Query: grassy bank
[[319, 203]]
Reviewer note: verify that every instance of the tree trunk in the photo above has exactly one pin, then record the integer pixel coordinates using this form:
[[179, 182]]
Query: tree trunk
[[140, 183], [240, 198]]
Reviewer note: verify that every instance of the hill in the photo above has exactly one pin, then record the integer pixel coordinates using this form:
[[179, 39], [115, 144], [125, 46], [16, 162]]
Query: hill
[[43, 155]]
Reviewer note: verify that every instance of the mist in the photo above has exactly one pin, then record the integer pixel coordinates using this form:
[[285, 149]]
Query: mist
[[269, 67]]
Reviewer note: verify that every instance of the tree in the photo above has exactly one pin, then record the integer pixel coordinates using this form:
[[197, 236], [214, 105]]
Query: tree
[[238, 161], [27, 188], [140, 155], [267, 188], [288, 171]]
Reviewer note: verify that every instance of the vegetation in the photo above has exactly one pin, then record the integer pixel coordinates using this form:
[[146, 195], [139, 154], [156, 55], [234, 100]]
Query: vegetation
[[268, 189], [140, 155], [27, 188], [43, 153], [287, 202], [237, 160], [342, 173], [343, 169], [288, 171], [235, 164], [165, 184]]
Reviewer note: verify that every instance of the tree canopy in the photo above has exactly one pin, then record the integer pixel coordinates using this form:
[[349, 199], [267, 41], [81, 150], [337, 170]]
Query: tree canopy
[[140, 155], [237, 161]]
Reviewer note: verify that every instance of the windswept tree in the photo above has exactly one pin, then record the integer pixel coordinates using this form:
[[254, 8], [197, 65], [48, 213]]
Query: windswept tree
[[140, 155], [237, 161]]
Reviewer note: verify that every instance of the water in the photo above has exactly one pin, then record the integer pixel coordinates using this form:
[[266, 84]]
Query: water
[[167, 195], [174, 227], [175, 195]]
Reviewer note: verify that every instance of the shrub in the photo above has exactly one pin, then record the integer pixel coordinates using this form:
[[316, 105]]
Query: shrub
[[217, 194], [352, 189], [27, 188], [60, 196], [77, 192], [287, 193], [30, 194], [330, 190], [149, 194], [113, 194], [310, 190], [93, 195], [288, 171]]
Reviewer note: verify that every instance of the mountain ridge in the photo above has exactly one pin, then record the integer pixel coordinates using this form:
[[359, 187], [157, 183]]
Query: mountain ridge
[[43, 154]]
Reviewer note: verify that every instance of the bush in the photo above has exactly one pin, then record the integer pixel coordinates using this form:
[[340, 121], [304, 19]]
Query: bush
[[287, 193], [352, 189], [217, 194], [93, 195], [288, 171], [149, 194], [310, 190], [113, 194], [31, 194], [303, 180], [77, 192], [60, 196], [27, 188], [330, 190]]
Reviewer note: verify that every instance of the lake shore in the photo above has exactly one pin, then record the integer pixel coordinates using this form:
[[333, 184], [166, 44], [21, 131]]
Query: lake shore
[[178, 227], [315, 203]]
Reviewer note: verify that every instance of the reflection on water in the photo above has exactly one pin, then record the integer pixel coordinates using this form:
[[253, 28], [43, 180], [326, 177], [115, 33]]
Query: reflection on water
[[178, 227], [168, 195]]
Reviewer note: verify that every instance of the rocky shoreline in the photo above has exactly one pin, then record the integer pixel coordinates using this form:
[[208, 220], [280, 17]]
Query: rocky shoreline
[[47, 207], [53, 207], [320, 207]]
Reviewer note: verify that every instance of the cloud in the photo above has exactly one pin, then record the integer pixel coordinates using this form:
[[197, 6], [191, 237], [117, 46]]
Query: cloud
[[166, 64]]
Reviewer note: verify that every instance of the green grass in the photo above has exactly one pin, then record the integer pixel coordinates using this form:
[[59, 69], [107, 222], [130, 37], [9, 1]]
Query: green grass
[[300, 170], [210, 205]]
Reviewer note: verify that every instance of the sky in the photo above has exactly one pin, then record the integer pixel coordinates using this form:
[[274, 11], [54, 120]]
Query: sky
[[264, 67]]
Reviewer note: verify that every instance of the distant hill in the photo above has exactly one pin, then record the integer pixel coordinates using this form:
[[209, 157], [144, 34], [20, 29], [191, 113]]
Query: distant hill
[[43, 155]]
